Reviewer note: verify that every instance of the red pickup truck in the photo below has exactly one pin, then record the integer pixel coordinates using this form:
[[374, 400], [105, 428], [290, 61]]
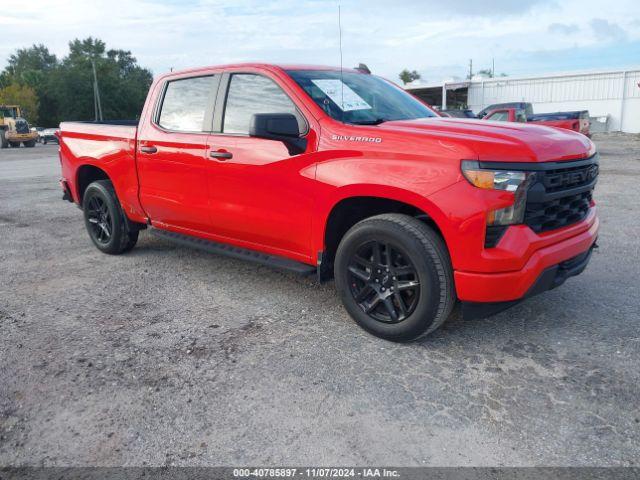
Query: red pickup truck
[[577, 121], [345, 175]]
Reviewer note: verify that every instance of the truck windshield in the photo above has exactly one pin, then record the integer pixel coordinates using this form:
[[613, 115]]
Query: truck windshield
[[358, 98]]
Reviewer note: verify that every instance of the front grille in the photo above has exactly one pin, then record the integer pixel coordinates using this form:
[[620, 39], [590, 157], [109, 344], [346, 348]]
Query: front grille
[[564, 211], [561, 194]]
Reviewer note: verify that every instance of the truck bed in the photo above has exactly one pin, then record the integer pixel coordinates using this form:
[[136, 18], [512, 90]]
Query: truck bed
[[124, 129], [108, 146]]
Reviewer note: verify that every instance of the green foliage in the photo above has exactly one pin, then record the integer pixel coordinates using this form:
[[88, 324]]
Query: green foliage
[[65, 87], [408, 76], [22, 95], [487, 72]]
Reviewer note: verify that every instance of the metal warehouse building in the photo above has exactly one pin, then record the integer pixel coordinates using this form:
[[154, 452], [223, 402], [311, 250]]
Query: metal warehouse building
[[612, 97]]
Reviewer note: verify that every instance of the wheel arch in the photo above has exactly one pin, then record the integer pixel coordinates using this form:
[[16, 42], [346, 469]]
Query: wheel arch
[[355, 205], [85, 175]]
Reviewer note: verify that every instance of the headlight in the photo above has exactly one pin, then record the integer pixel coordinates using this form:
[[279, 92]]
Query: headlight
[[514, 181]]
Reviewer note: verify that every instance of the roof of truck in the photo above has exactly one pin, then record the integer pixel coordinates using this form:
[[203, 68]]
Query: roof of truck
[[268, 66]]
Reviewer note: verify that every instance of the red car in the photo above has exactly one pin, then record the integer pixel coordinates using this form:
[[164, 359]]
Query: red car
[[577, 121], [345, 175]]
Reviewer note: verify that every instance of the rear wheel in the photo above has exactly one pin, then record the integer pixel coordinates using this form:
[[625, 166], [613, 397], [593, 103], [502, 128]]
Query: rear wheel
[[106, 223], [394, 276], [3, 140], [14, 144], [29, 144]]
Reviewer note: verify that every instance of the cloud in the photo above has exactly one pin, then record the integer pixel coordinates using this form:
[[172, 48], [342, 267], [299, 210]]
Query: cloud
[[435, 37], [605, 30], [563, 29], [481, 8]]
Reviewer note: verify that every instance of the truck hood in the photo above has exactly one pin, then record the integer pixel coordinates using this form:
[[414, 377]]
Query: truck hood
[[498, 141]]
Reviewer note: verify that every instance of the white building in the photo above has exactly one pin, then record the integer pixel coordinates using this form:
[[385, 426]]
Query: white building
[[613, 95]]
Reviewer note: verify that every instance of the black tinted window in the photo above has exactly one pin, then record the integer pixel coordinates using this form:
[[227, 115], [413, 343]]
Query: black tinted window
[[185, 104], [249, 94]]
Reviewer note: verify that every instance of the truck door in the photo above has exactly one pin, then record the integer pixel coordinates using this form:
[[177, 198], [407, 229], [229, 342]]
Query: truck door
[[261, 193], [171, 159]]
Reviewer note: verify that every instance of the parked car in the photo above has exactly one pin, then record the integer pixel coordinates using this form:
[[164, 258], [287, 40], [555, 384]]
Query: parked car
[[558, 121], [459, 113], [506, 115], [48, 135], [342, 174], [577, 121], [526, 106], [39, 131]]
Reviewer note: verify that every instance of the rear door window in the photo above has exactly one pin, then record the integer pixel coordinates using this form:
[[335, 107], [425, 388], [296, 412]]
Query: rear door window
[[187, 104]]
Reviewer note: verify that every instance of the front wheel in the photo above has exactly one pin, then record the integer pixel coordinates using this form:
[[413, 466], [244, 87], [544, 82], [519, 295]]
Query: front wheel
[[394, 276], [29, 144], [106, 223]]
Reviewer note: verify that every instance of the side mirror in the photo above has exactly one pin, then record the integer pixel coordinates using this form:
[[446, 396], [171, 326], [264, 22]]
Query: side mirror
[[274, 125], [278, 126]]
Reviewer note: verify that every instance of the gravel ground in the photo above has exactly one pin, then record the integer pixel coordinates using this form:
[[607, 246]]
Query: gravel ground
[[169, 356]]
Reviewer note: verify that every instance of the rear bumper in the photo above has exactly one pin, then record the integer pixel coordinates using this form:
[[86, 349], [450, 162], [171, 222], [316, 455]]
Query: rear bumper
[[509, 286]]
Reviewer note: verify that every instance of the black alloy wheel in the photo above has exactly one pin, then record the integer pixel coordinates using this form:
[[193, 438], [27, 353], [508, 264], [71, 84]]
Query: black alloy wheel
[[106, 223], [100, 220], [394, 276], [383, 281]]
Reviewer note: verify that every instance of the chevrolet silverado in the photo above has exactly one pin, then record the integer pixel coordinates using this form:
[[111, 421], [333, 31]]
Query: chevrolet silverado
[[342, 174]]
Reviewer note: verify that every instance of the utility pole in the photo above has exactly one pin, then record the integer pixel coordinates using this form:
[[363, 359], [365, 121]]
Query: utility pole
[[470, 68], [97, 106], [493, 67]]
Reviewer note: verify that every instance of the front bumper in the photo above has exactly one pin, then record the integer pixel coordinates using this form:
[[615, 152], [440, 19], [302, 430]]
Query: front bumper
[[513, 286], [549, 279]]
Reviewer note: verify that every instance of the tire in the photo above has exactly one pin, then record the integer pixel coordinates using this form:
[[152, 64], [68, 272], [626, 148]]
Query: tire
[[44, 142], [29, 144], [108, 228], [417, 284], [14, 144], [3, 140]]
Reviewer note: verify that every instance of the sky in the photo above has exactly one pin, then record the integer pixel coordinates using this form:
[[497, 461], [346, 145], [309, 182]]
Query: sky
[[436, 38]]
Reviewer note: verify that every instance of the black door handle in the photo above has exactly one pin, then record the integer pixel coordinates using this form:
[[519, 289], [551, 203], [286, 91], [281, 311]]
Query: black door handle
[[148, 149], [221, 155]]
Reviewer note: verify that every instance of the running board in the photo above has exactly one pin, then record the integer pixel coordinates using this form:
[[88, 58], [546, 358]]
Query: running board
[[235, 252]]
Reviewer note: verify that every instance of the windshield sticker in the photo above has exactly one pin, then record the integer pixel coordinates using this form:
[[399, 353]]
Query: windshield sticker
[[345, 98]]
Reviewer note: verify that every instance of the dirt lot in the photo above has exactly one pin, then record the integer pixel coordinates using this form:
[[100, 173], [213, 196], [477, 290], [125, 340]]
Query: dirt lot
[[168, 356]]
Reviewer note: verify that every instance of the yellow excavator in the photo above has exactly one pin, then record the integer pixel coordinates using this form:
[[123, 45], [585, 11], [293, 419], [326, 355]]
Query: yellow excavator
[[14, 129]]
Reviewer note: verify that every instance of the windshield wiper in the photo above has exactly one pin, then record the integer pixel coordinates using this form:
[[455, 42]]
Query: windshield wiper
[[377, 121]]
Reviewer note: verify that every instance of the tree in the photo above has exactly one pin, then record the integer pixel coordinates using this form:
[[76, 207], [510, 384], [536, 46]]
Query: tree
[[487, 72], [123, 84], [32, 67], [24, 96], [64, 87], [407, 77]]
